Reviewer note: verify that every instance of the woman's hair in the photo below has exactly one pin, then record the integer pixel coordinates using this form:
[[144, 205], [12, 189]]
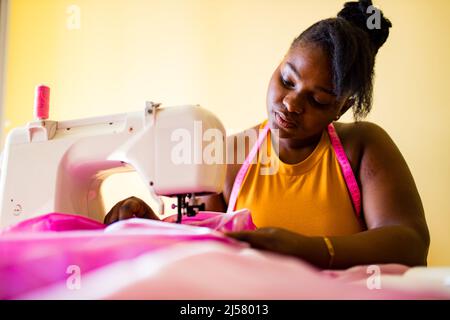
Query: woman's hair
[[351, 40]]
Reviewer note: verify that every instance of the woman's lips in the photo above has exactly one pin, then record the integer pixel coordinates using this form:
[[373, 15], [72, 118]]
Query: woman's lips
[[282, 122]]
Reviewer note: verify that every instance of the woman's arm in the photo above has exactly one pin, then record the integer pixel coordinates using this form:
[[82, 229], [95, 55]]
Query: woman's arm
[[392, 206], [397, 230], [214, 202], [390, 244]]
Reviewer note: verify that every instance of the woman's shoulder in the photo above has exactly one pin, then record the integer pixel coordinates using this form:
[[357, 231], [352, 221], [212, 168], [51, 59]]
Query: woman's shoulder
[[358, 137], [360, 133]]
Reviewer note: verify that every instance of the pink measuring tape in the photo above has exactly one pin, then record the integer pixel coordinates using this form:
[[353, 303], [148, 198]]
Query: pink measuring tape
[[349, 177], [244, 168]]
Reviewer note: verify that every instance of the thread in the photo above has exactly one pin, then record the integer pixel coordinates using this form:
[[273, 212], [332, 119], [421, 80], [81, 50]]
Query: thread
[[42, 102]]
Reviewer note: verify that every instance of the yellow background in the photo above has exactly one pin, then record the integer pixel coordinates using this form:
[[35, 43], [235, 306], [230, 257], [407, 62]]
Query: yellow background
[[221, 53]]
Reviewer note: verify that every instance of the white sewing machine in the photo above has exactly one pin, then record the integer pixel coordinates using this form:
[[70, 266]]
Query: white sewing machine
[[51, 166]]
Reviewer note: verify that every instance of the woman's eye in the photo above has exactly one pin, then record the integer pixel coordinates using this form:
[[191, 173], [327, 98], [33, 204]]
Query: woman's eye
[[319, 104], [287, 83]]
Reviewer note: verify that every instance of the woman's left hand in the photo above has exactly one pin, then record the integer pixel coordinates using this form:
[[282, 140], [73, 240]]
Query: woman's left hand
[[272, 239], [310, 249]]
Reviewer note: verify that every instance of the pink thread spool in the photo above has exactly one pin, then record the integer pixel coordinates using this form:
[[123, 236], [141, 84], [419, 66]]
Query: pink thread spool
[[41, 102]]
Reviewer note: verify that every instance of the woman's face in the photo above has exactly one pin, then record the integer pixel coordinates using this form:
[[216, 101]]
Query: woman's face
[[300, 99]]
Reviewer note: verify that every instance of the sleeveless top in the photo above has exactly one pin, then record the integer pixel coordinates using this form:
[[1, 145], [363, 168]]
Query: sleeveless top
[[318, 196]]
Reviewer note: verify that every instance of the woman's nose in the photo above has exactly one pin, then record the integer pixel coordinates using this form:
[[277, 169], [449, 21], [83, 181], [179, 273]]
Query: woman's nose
[[293, 104]]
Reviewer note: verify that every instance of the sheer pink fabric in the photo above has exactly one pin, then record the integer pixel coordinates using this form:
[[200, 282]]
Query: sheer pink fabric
[[42, 258]]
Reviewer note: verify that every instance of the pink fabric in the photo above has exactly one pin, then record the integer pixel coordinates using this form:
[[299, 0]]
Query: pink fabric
[[54, 222], [234, 221], [149, 259], [36, 252], [359, 273]]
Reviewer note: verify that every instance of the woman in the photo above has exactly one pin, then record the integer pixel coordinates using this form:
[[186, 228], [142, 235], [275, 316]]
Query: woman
[[343, 194]]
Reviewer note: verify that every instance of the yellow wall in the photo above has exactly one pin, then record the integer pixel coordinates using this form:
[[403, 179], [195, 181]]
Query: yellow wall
[[220, 53]]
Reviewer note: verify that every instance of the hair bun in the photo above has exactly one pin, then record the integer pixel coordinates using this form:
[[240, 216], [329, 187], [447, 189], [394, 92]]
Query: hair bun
[[356, 13]]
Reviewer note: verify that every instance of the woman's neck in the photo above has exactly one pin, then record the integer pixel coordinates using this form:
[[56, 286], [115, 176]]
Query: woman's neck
[[293, 151]]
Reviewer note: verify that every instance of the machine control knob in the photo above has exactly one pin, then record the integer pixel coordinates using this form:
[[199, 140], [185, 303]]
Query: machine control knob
[[17, 210]]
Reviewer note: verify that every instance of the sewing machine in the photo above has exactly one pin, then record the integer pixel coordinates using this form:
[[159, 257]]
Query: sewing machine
[[50, 166]]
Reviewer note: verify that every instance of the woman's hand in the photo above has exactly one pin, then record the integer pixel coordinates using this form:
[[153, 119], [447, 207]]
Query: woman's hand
[[130, 208], [271, 239], [310, 249]]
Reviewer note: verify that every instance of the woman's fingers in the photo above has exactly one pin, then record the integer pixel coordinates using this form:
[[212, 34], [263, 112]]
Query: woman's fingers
[[241, 236], [146, 212], [263, 238], [138, 208], [129, 208], [255, 239], [113, 214]]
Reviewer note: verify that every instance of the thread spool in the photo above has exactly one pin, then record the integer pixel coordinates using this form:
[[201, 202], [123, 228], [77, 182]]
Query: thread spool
[[41, 102]]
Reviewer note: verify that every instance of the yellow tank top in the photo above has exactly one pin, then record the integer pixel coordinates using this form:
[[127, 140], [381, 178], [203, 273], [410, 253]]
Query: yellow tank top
[[310, 197]]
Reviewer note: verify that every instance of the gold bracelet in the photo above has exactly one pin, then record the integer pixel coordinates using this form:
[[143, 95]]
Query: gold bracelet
[[331, 251]]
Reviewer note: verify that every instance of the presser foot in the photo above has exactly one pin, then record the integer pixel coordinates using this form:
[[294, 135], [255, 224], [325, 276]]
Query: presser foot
[[186, 205]]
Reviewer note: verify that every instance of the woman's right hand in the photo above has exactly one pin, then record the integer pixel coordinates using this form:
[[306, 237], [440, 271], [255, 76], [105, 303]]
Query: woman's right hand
[[130, 208]]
